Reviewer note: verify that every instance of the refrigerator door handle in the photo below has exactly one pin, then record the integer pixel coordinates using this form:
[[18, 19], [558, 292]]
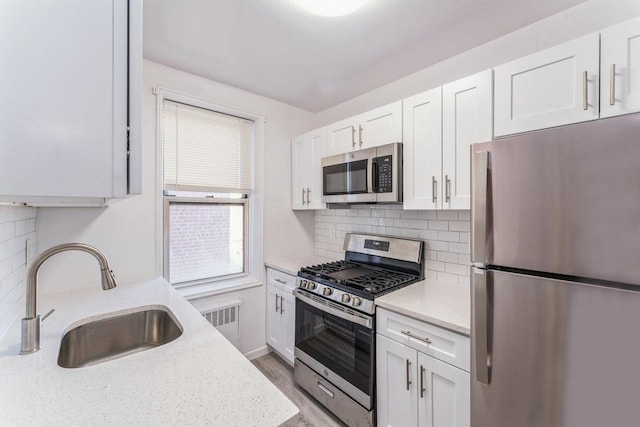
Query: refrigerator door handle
[[481, 323], [481, 172]]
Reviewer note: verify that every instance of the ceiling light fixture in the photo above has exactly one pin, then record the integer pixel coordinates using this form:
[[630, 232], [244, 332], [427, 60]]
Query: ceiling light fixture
[[331, 7]]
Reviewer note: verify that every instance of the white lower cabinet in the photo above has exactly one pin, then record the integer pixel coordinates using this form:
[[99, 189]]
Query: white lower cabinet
[[416, 389], [281, 307]]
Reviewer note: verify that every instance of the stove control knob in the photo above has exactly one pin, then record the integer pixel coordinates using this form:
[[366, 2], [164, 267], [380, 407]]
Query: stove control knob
[[356, 301], [346, 298], [327, 292], [303, 284], [311, 286]]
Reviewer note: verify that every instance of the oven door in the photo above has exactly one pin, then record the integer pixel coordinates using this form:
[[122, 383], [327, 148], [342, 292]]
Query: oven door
[[337, 343], [348, 178]]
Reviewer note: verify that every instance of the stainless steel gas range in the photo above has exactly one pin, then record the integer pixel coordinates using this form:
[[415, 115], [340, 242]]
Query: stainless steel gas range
[[335, 321]]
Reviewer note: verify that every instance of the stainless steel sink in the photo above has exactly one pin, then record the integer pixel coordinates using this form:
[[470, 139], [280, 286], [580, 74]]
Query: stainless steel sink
[[117, 336]]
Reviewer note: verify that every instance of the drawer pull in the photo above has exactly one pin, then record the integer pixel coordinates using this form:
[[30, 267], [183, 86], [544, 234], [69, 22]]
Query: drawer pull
[[325, 389], [283, 282], [411, 335]]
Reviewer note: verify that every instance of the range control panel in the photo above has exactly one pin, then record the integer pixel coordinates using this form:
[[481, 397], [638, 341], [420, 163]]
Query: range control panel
[[377, 245]]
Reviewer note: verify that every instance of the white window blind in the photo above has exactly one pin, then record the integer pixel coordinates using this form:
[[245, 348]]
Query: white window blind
[[205, 150]]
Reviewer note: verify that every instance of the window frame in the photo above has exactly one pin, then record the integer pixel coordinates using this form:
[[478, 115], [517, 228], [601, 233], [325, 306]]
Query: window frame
[[215, 201], [255, 263]]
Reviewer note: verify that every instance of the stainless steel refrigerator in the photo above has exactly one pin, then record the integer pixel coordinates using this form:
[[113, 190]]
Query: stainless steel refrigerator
[[556, 277]]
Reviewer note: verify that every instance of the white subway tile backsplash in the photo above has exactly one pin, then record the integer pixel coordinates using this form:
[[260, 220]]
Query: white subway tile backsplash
[[439, 225], [17, 227], [447, 215], [446, 235]]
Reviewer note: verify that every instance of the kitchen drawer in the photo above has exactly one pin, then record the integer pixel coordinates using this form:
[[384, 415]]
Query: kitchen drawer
[[445, 345], [281, 280]]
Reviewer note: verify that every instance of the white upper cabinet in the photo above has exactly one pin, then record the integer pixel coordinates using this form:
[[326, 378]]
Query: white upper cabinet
[[553, 87], [377, 127], [306, 180], [466, 118], [620, 69], [439, 125], [422, 150], [72, 75]]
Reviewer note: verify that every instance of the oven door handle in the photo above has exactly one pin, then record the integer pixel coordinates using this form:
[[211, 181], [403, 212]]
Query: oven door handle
[[320, 305]]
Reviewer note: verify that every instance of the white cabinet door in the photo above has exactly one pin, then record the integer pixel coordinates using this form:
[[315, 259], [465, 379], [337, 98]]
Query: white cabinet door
[[317, 141], [466, 118], [380, 126], [553, 87], [422, 150], [620, 69], [64, 98], [300, 157], [274, 318], [397, 382], [341, 136], [306, 171], [288, 314], [444, 399]]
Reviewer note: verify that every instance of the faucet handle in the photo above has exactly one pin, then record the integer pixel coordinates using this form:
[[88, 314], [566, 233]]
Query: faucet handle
[[43, 318]]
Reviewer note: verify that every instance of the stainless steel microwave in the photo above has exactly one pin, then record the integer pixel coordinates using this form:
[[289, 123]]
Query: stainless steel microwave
[[372, 175]]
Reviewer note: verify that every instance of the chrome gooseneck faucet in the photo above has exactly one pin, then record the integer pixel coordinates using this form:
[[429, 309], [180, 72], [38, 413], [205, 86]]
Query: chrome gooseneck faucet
[[31, 323]]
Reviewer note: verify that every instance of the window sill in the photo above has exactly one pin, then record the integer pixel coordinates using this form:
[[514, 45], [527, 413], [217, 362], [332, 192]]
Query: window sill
[[219, 287]]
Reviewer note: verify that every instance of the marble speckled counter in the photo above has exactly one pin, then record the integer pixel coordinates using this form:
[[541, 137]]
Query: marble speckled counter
[[294, 264], [441, 304], [198, 379]]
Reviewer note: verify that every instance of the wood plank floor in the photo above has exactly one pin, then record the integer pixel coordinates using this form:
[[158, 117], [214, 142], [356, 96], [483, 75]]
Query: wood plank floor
[[312, 413]]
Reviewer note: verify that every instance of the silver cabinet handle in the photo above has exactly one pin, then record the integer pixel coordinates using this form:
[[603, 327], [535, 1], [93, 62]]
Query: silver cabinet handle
[[303, 197], [325, 389], [480, 206], [353, 137], [360, 134], [447, 189], [422, 388], [612, 88], [434, 189], [411, 335], [408, 369], [585, 93], [277, 303], [283, 282], [480, 311], [281, 305], [308, 196]]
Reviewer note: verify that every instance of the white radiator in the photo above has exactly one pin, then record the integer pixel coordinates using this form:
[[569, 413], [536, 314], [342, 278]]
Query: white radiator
[[225, 317]]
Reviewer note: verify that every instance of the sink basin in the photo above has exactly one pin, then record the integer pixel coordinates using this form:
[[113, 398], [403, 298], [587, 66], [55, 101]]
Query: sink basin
[[117, 336]]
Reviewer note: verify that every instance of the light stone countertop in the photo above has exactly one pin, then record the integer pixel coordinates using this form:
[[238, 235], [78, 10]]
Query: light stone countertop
[[294, 264], [442, 304], [198, 379]]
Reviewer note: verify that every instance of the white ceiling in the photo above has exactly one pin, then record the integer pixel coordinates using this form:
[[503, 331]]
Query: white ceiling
[[276, 49]]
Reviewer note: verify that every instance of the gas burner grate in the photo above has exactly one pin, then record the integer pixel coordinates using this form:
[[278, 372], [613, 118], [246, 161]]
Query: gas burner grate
[[329, 267], [381, 280]]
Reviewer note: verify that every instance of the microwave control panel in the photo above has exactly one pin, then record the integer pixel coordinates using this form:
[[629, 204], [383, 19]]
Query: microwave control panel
[[385, 173]]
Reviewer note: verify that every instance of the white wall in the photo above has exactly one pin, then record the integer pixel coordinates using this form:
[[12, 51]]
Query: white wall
[[17, 227], [582, 19], [126, 230]]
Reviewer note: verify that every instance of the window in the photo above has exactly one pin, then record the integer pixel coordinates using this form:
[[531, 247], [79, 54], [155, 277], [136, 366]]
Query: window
[[207, 185]]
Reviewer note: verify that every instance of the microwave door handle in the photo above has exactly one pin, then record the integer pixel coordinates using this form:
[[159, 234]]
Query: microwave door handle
[[376, 176], [370, 174]]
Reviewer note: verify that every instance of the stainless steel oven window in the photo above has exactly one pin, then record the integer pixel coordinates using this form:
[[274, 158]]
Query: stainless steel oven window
[[205, 238]]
